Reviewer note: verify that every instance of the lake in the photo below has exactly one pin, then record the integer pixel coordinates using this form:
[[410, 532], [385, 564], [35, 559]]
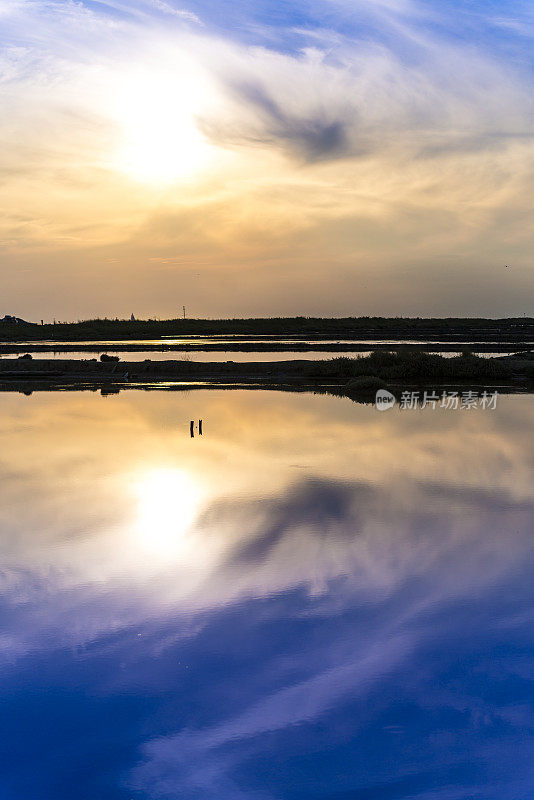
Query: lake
[[217, 356], [311, 600], [212, 348]]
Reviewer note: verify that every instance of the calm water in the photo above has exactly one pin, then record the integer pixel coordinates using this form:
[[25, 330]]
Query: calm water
[[106, 346], [200, 355], [312, 601]]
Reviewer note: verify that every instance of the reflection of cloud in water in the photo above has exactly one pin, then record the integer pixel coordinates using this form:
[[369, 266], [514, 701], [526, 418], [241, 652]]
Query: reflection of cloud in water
[[266, 528], [375, 602]]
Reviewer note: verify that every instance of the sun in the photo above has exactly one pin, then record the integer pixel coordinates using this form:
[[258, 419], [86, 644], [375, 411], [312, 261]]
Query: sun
[[168, 502], [159, 138]]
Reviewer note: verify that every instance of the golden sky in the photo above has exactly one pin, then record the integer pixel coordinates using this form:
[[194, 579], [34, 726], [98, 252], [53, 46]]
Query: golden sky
[[322, 158]]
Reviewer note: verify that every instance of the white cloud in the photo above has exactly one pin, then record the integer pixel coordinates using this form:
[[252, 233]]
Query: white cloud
[[188, 16]]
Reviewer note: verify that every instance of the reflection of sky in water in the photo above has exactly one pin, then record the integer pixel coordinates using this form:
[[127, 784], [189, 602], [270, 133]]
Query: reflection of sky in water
[[201, 355], [313, 600], [225, 355]]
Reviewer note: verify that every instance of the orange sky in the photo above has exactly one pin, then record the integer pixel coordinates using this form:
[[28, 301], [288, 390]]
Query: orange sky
[[371, 164]]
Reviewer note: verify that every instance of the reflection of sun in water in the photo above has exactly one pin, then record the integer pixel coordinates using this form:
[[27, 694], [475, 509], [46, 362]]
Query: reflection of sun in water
[[168, 502], [160, 141]]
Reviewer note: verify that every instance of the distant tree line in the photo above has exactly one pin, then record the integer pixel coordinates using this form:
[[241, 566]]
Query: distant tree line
[[415, 328]]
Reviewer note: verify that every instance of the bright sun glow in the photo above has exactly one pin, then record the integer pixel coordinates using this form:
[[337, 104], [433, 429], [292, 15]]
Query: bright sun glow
[[168, 502], [160, 140]]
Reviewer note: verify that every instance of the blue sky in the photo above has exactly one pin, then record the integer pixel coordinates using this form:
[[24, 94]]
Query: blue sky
[[503, 28]]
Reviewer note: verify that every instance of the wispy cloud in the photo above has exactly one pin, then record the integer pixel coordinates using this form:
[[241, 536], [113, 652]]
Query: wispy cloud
[[344, 112], [167, 8]]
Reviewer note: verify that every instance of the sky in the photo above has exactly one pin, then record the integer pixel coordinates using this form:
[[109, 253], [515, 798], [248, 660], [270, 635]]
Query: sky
[[323, 158]]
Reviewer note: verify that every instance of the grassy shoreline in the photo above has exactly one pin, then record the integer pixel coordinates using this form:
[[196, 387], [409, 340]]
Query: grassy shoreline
[[248, 347], [405, 368], [519, 329]]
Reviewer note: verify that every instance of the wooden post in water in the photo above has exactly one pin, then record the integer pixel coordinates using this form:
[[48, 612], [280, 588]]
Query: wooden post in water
[[192, 428], [200, 427]]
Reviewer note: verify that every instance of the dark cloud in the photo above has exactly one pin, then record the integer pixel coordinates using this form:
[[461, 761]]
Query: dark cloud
[[313, 137]]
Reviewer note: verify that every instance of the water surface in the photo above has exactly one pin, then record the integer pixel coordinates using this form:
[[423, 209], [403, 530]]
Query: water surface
[[222, 355], [312, 600]]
